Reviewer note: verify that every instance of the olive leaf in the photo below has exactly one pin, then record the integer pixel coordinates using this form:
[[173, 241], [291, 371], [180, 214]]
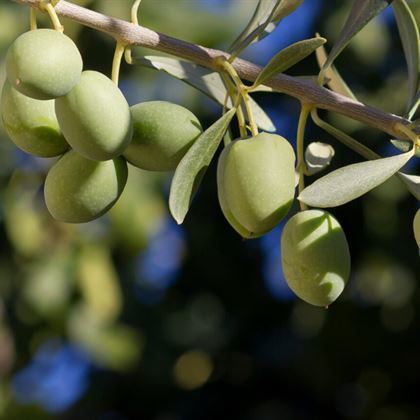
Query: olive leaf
[[288, 57], [409, 34], [361, 13], [193, 165], [413, 107], [209, 83], [352, 181], [266, 17], [318, 156], [412, 182], [335, 82]]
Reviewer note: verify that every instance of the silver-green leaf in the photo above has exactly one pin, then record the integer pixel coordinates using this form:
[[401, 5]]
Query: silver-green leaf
[[409, 34], [193, 165], [352, 181], [288, 57], [209, 83], [413, 107], [266, 17], [412, 182], [361, 13]]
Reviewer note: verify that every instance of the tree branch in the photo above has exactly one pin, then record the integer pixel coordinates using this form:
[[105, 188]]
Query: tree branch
[[303, 91]]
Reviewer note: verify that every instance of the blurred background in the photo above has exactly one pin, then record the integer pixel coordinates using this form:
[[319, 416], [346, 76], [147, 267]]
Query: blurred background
[[134, 317]]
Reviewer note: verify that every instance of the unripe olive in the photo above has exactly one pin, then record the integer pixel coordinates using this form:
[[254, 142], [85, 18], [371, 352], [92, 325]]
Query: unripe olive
[[315, 257], [43, 64], [95, 117], [78, 190], [256, 183], [163, 133], [416, 227], [31, 124]]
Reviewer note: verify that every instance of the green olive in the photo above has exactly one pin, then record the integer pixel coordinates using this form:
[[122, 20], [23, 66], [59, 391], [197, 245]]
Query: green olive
[[315, 257], [416, 227], [78, 190], [31, 124], [256, 183], [43, 64], [163, 133], [95, 117]]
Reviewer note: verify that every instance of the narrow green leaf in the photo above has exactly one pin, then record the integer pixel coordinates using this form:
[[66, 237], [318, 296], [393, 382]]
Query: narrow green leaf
[[335, 82], [413, 107], [352, 181], [193, 165], [267, 15], [412, 182], [409, 34], [289, 57], [209, 83], [361, 13]]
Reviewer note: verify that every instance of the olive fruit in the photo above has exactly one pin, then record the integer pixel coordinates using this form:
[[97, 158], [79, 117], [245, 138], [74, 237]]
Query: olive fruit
[[31, 124], [78, 190], [256, 183], [43, 64], [95, 117], [162, 134], [416, 227], [315, 257]]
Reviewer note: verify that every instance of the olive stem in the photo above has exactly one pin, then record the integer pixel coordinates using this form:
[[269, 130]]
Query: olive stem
[[135, 21], [53, 16], [321, 75], [414, 137], [236, 100], [134, 12], [303, 119], [32, 19], [252, 124], [230, 70], [242, 91], [127, 55], [116, 63]]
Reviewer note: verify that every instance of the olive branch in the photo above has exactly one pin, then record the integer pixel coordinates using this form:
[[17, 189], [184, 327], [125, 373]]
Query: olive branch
[[303, 90]]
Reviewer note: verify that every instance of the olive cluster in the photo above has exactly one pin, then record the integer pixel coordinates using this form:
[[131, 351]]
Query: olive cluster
[[51, 107]]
